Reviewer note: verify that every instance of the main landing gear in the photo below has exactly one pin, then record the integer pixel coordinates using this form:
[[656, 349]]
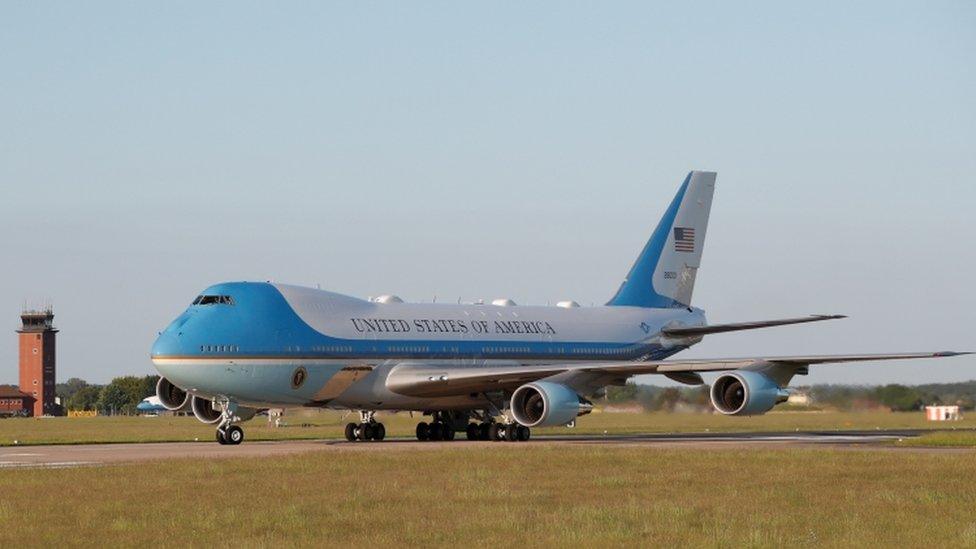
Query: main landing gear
[[367, 428], [435, 430], [510, 432], [443, 428], [227, 432]]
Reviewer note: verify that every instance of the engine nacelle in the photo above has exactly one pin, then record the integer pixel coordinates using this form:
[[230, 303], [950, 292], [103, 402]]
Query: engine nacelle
[[170, 396], [207, 411], [746, 393], [545, 404]]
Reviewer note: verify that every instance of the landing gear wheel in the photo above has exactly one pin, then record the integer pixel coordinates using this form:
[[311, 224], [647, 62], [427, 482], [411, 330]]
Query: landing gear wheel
[[351, 432], [379, 432], [436, 429], [494, 432], [221, 436], [473, 431], [234, 435], [423, 431], [523, 433], [447, 431], [484, 431], [365, 431], [511, 432]]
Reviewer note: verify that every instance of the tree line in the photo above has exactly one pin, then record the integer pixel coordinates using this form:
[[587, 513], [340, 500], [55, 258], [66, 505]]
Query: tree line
[[120, 396]]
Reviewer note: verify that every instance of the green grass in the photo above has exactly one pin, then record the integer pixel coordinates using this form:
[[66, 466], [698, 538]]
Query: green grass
[[956, 439], [504, 495], [316, 424]]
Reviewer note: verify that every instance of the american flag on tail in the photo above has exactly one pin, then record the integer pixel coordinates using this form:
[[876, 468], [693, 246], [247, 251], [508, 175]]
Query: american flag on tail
[[684, 239]]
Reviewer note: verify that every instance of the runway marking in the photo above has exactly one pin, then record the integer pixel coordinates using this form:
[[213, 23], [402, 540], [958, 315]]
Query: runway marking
[[46, 464]]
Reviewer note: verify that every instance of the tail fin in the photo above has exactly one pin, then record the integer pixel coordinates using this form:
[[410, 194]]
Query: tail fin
[[664, 273]]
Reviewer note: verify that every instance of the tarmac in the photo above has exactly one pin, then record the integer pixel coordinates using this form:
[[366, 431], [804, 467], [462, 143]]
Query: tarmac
[[82, 455]]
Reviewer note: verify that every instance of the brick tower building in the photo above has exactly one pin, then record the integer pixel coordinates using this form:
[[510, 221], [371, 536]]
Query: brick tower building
[[37, 359]]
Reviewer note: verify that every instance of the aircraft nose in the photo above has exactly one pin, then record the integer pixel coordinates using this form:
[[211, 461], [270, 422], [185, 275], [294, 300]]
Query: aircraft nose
[[167, 344]]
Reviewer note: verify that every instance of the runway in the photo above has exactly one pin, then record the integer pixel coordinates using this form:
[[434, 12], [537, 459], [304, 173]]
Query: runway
[[63, 456]]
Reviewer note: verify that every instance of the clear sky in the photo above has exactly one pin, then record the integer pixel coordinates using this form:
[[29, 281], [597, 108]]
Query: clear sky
[[149, 149]]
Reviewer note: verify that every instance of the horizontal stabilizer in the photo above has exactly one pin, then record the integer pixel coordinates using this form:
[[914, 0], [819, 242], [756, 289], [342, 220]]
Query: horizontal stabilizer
[[691, 331]]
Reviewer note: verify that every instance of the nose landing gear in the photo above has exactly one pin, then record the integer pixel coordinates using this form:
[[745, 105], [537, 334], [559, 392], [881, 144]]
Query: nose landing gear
[[231, 435], [227, 432]]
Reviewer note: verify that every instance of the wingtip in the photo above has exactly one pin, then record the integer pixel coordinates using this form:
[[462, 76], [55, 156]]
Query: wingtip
[[953, 353], [829, 317]]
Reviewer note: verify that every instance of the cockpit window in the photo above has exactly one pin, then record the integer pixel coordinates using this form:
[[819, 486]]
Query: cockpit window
[[213, 300]]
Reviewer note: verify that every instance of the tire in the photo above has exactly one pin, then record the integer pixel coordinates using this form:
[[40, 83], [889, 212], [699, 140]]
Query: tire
[[484, 431], [351, 432], [511, 432], [221, 436], [235, 435], [423, 431], [447, 431], [379, 431], [473, 431], [494, 432], [365, 431], [435, 430], [524, 433]]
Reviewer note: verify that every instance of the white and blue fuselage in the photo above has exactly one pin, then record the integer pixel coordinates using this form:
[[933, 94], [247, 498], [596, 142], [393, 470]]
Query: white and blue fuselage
[[265, 344]]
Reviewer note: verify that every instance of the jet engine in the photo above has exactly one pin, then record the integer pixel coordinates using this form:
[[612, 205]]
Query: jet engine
[[545, 404], [746, 393], [207, 411], [170, 396]]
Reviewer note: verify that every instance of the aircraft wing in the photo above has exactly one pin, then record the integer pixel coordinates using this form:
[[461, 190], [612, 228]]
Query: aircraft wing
[[424, 380]]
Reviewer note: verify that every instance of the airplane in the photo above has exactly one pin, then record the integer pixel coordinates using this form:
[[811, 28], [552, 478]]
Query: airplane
[[151, 404], [490, 370]]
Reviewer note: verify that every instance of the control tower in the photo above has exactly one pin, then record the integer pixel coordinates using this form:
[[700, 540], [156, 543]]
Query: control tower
[[37, 359]]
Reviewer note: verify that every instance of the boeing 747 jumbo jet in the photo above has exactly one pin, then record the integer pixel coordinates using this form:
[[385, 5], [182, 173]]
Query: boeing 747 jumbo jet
[[491, 370]]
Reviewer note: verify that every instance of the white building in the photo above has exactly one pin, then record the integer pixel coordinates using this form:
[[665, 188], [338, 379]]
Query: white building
[[942, 413]]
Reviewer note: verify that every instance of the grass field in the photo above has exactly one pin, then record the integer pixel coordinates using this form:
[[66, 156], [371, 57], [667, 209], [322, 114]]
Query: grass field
[[942, 439], [315, 424], [504, 495]]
